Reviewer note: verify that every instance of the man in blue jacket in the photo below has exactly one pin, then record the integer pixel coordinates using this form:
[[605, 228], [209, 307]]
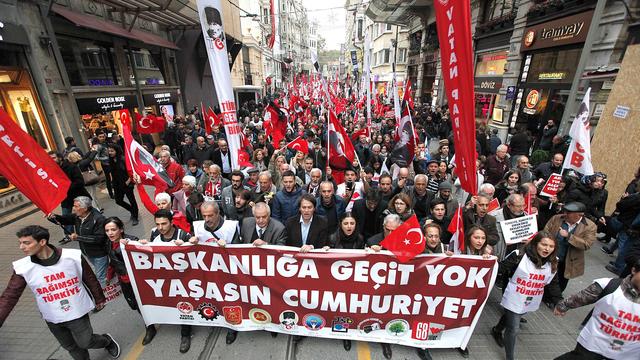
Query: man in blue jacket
[[285, 202]]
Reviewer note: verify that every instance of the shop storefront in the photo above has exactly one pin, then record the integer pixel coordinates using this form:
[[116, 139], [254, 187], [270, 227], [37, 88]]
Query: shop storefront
[[19, 98], [490, 67], [551, 51], [162, 103], [102, 111]]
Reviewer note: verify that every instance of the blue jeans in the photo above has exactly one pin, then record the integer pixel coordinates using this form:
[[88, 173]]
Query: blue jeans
[[623, 242], [100, 265], [68, 228], [510, 322]]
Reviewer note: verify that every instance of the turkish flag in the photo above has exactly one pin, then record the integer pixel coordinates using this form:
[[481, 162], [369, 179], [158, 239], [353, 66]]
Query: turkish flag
[[275, 124], [407, 100], [29, 168], [456, 227], [299, 144], [527, 203], [142, 163], [356, 135], [210, 120], [406, 241], [150, 124], [341, 151], [493, 205]]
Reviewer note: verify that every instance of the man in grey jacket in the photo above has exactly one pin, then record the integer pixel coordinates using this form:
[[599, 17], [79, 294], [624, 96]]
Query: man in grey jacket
[[261, 229]]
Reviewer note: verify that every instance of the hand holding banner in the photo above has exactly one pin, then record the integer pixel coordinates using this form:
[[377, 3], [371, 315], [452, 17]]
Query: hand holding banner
[[520, 229], [433, 302], [29, 168]]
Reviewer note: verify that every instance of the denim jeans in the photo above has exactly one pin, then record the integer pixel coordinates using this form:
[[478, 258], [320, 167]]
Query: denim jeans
[[510, 322], [76, 336], [100, 265], [623, 242], [68, 228]]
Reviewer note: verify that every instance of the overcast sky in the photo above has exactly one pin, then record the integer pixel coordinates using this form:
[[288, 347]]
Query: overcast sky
[[330, 16]]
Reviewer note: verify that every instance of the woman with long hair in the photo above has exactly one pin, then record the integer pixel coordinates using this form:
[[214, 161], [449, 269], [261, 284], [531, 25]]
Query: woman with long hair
[[400, 204], [475, 242], [114, 229], [509, 184], [526, 275], [122, 182], [347, 237]]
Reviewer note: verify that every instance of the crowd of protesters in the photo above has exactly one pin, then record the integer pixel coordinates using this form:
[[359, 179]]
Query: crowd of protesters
[[295, 198]]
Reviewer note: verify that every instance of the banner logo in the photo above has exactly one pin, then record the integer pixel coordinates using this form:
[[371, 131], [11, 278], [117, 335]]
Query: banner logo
[[215, 31], [288, 320], [185, 307], [369, 325], [313, 322], [208, 311], [397, 327], [532, 99], [259, 316], [341, 324], [232, 314], [529, 38]]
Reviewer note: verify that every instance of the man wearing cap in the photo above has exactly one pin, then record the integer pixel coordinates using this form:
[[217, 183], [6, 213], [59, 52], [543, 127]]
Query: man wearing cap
[[575, 234], [444, 193], [251, 181]]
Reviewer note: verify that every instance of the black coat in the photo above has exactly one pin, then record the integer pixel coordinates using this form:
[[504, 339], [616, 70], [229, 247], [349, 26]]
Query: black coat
[[594, 199], [317, 233], [91, 236], [117, 260], [77, 183], [217, 158], [361, 213]]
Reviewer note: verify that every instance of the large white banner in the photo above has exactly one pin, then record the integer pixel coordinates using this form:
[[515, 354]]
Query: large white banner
[[210, 12], [579, 154]]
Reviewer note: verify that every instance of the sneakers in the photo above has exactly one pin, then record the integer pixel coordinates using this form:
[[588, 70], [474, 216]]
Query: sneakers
[[113, 348]]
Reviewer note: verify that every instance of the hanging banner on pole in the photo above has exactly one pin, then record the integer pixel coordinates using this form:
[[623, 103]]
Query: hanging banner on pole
[[430, 302], [210, 12], [579, 154], [367, 76], [453, 20]]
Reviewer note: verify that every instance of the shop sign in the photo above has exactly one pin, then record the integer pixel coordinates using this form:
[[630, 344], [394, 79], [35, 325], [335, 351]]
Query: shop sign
[[511, 93], [105, 104], [101, 82], [488, 85], [531, 101], [568, 30], [552, 75], [160, 98], [11, 201], [13, 34]]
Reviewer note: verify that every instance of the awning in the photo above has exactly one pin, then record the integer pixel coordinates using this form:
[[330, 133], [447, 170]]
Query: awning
[[94, 23], [13, 34]]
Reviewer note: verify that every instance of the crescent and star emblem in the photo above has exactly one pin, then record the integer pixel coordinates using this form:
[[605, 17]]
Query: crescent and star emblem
[[408, 242]]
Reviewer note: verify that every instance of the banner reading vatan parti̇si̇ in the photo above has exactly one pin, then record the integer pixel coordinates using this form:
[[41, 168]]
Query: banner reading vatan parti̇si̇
[[453, 20], [430, 302]]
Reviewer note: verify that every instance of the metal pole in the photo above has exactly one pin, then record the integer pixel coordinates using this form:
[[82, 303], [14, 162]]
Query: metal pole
[[135, 79], [584, 57]]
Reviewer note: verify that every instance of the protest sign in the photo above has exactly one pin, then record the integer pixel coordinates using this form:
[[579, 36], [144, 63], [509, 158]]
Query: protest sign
[[433, 301], [551, 186], [519, 229]]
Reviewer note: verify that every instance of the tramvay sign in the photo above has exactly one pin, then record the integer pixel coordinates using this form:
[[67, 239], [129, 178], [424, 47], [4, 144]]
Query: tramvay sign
[[432, 301]]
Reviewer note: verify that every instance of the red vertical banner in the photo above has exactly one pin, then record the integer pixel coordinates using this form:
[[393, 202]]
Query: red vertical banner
[[29, 168], [453, 19], [272, 15]]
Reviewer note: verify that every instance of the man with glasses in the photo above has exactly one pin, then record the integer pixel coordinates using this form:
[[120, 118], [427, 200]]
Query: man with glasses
[[513, 208], [522, 165]]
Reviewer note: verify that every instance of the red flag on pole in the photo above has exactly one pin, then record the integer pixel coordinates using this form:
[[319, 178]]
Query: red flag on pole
[[29, 168], [150, 124], [140, 162], [406, 241], [275, 124], [456, 227], [453, 20], [342, 152], [299, 144], [210, 120]]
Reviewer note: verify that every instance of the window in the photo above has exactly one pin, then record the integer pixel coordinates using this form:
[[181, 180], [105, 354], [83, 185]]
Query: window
[[387, 27], [385, 54], [266, 18], [89, 63], [402, 55], [360, 25], [497, 8], [138, 58]]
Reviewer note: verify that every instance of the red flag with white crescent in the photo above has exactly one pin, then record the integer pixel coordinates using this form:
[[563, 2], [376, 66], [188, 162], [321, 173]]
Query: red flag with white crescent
[[299, 144], [456, 227], [150, 124], [406, 241], [210, 120], [140, 162], [341, 150]]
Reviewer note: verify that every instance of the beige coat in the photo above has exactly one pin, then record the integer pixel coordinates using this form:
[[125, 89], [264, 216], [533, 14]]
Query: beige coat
[[582, 238]]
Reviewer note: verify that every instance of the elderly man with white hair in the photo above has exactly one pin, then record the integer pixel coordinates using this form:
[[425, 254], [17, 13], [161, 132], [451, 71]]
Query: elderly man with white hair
[[173, 169], [88, 231], [497, 165], [180, 197]]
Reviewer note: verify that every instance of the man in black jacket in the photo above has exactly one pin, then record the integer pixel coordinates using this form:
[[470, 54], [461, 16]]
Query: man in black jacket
[[307, 231], [77, 183], [88, 230], [368, 213]]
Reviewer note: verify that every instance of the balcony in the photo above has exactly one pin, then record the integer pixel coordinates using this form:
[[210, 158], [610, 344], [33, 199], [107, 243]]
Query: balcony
[[497, 24], [545, 10]]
